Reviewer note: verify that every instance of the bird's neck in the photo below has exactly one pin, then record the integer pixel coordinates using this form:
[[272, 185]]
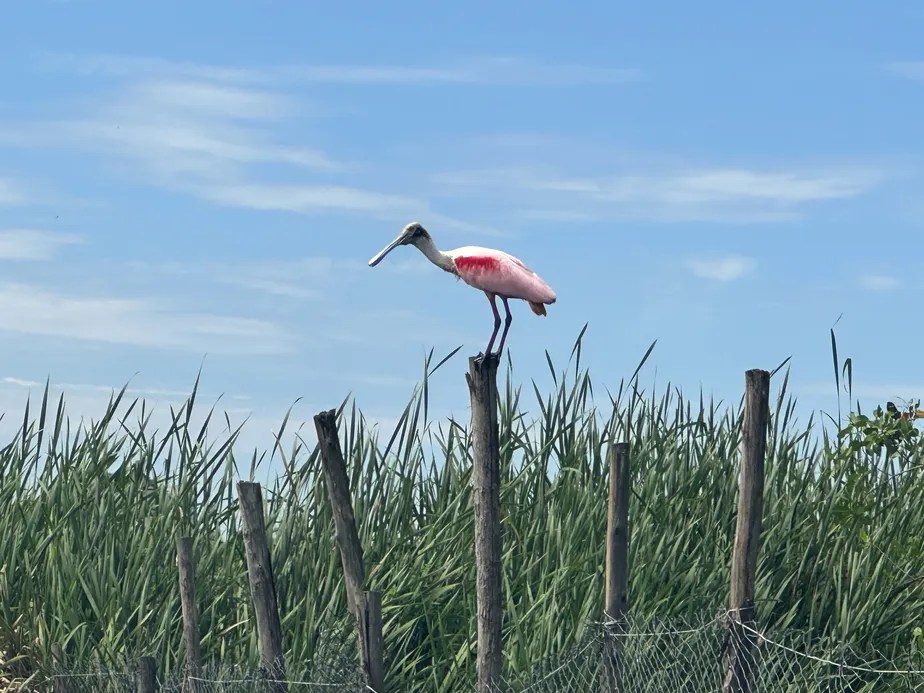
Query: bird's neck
[[436, 256]]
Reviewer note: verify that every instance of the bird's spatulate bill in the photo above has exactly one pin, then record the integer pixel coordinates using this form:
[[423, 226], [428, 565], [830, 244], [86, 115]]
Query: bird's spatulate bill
[[384, 251]]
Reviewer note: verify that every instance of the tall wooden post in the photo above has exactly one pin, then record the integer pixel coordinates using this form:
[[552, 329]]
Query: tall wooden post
[[187, 577], [739, 663], [365, 607], [262, 587], [617, 573], [482, 385], [338, 490]]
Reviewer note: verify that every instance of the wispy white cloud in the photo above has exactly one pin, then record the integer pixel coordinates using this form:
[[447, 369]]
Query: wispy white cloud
[[311, 198], [503, 71], [910, 69], [34, 310], [21, 382], [30, 244], [213, 140], [879, 282], [179, 132], [157, 392], [10, 192], [895, 392], [499, 71], [681, 187], [306, 278], [723, 269], [715, 194], [882, 392], [210, 140]]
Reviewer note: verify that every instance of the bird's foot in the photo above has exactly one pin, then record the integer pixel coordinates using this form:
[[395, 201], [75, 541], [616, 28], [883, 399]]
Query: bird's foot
[[493, 355]]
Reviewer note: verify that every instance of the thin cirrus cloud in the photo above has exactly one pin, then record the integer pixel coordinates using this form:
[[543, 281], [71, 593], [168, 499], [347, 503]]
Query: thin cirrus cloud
[[175, 128], [11, 193], [204, 129], [147, 392], [31, 244], [306, 278], [879, 282], [478, 71], [30, 309], [209, 140], [309, 198], [722, 269], [713, 194], [910, 69], [896, 392]]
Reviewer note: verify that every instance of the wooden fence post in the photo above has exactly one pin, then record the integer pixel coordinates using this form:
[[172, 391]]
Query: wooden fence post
[[366, 607], [373, 642], [262, 587], [146, 676], [617, 574], [482, 385], [59, 667], [187, 577], [739, 650]]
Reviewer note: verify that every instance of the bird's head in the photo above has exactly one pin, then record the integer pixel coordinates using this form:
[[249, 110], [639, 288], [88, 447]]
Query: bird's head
[[412, 234]]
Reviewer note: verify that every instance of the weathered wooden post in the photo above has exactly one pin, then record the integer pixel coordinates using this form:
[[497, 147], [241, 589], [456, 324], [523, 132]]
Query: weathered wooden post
[[616, 605], [262, 587], [373, 644], [739, 662], [187, 577], [58, 669], [366, 607], [482, 385], [146, 676]]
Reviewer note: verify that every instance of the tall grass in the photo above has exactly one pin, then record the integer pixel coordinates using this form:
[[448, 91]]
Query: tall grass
[[89, 517]]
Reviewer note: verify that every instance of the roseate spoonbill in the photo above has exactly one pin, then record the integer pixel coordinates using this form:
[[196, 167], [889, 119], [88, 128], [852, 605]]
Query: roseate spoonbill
[[493, 271]]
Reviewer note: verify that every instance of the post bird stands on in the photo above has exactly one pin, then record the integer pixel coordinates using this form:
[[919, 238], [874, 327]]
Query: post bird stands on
[[493, 271]]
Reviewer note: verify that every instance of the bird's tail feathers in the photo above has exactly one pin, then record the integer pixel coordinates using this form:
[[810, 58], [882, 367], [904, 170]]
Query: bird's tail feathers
[[538, 308]]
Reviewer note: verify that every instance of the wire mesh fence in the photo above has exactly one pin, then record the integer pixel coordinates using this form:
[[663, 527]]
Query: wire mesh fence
[[649, 656], [642, 656], [211, 680], [335, 673]]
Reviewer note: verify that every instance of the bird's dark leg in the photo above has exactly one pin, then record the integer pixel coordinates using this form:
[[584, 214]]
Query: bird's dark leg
[[507, 321], [497, 322]]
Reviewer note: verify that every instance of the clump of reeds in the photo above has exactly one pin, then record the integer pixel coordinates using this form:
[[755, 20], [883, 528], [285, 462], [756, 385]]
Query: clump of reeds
[[89, 517]]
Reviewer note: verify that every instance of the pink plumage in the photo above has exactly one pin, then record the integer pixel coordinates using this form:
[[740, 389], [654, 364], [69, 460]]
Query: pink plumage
[[500, 273], [493, 271]]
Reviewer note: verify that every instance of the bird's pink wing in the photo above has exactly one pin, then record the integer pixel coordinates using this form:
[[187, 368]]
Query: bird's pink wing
[[500, 273]]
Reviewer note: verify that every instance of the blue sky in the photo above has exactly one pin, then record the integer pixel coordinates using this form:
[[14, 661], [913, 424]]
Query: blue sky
[[193, 181]]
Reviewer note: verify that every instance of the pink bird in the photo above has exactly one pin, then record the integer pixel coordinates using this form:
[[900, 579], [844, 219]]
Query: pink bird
[[493, 271]]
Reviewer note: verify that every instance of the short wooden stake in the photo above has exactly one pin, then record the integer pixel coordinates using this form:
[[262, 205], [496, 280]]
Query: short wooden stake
[[59, 667], [187, 577], [146, 677], [616, 607]]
